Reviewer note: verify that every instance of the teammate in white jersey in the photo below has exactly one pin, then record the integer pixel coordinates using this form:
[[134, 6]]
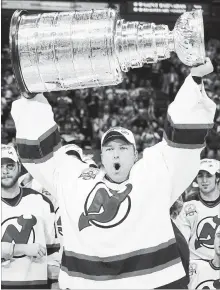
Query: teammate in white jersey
[[206, 274], [29, 243], [199, 219], [117, 231]]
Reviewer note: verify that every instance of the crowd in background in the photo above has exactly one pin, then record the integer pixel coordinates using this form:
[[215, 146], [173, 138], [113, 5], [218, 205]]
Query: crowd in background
[[139, 103]]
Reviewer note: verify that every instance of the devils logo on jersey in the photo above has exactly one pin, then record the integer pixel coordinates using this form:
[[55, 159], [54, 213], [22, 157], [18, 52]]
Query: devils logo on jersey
[[205, 232], [209, 284], [19, 230], [105, 208]]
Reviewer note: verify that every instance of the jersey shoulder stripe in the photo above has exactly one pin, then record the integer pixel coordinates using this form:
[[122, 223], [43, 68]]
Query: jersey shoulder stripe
[[185, 136], [29, 191], [41, 149], [51, 249]]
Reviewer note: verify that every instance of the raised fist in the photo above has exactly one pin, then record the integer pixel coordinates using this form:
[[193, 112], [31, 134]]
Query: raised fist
[[203, 69]]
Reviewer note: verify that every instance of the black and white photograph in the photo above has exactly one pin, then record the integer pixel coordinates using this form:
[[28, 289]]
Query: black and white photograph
[[110, 144]]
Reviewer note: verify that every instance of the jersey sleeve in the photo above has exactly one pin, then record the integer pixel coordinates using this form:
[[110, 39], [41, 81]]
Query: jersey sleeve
[[38, 142], [186, 221], [52, 241], [183, 225], [189, 118]]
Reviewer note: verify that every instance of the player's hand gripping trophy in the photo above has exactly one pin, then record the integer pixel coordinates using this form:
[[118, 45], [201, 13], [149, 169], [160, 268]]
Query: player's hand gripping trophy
[[72, 50]]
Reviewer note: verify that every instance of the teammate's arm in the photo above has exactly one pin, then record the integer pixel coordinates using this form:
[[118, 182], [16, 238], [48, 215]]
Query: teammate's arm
[[184, 224], [9, 250], [35, 250]]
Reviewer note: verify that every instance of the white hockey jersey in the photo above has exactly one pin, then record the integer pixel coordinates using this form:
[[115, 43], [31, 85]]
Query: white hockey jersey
[[118, 236], [198, 223], [27, 181], [30, 220], [204, 275]]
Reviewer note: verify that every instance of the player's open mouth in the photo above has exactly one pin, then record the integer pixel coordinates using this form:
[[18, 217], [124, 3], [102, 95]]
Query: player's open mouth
[[117, 166]]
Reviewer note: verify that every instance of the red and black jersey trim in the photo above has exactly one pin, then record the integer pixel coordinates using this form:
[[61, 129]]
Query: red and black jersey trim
[[40, 150], [35, 284], [189, 136], [209, 204], [51, 281], [29, 191], [51, 249], [141, 262]]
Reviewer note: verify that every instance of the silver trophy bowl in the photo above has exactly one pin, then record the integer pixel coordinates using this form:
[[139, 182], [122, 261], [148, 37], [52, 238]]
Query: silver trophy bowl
[[81, 49], [188, 35]]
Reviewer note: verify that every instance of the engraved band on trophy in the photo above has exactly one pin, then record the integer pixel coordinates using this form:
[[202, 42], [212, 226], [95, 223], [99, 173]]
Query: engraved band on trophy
[[72, 50]]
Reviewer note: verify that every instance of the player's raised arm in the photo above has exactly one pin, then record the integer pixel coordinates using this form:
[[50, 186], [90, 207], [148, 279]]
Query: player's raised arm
[[38, 141], [189, 118]]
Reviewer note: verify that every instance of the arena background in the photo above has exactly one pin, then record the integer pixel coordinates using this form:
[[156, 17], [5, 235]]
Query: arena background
[[141, 101]]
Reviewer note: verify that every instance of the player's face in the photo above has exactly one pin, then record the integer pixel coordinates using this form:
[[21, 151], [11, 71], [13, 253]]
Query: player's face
[[118, 157], [217, 242], [9, 173], [206, 182]]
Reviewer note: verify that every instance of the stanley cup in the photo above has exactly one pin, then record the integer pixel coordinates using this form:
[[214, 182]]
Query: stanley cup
[[81, 49]]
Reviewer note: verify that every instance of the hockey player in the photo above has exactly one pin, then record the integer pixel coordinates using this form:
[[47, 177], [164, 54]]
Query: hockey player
[[116, 224], [29, 246], [206, 274], [199, 219], [27, 181]]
